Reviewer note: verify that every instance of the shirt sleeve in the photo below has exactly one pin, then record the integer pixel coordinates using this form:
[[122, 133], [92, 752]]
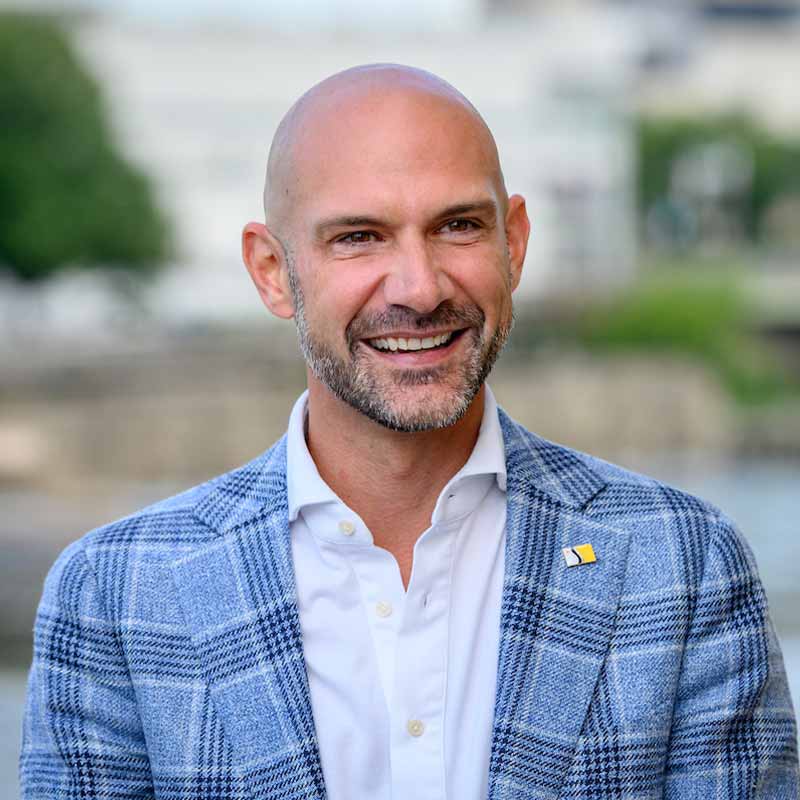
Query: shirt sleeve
[[82, 735], [734, 731]]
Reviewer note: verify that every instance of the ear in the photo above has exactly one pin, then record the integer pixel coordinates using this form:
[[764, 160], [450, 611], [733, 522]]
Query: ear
[[518, 228], [264, 258]]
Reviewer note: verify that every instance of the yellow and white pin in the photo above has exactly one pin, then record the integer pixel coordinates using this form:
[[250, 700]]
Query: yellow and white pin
[[579, 554]]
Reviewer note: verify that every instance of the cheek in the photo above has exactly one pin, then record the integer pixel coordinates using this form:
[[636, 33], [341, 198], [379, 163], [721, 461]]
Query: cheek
[[337, 295], [358, 284], [489, 286]]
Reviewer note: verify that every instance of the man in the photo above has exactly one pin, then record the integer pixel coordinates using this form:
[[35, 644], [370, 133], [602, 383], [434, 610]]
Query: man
[[409, 595]]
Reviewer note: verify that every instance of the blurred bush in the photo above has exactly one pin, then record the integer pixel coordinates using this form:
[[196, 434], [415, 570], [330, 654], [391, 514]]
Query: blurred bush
[[697, 310], [723, 179], [701, 313], [66, 195]]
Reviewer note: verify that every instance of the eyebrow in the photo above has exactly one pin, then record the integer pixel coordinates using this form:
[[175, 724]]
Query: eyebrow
[[366, 221], [478, 207], [346, 221]]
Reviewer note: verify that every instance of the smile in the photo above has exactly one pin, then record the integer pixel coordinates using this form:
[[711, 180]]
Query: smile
[[403, 344]]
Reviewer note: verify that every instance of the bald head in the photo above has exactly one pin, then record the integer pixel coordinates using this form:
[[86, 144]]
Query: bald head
[[370, 104]]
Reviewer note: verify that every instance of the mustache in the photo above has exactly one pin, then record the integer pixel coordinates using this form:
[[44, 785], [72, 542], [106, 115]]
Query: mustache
[[447, 314]]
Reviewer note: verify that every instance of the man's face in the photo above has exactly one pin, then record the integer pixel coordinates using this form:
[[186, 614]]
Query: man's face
[[384, 389], [400, 271]]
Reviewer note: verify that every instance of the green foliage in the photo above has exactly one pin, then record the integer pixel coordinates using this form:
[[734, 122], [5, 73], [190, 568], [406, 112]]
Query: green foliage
[[702, 315], [66, 196], [775, 160], [667, 311]]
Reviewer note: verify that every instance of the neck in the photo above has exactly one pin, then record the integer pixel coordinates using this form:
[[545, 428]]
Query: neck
[[391, 479]]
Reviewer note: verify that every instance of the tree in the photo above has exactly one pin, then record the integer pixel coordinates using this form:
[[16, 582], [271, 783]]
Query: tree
[[775, 160], [66, 195]]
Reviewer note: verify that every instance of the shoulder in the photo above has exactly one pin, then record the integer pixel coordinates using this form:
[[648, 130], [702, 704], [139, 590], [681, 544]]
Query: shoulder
[[599, 487], [677, 537], [672, 532], [110, 558]]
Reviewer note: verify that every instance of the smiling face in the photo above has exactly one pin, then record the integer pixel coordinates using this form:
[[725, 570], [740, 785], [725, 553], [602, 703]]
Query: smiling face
[[420, 372], [403, 251]]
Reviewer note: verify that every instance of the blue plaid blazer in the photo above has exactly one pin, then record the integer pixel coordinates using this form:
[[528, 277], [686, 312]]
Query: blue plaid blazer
[[168, 657]]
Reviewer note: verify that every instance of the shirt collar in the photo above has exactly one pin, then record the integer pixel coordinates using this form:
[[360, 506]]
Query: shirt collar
[[305, 486], [488, 457]]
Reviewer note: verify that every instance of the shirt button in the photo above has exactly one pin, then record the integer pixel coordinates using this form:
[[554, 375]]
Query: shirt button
[[346, 527], [415, 727], [383, 609]]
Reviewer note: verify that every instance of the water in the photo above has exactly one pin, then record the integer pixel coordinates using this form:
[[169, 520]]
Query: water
[[12, 694], [763, 497]]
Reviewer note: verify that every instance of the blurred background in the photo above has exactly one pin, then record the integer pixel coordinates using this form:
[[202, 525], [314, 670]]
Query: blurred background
[[658, 322]]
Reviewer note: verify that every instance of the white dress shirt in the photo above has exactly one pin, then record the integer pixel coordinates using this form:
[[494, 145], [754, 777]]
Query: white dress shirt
[[402, 682]]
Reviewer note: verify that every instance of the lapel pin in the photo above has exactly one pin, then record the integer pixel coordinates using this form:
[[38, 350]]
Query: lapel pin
[[579, 554]]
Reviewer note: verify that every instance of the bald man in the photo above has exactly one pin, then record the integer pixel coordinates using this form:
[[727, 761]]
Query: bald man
[[409, 595]]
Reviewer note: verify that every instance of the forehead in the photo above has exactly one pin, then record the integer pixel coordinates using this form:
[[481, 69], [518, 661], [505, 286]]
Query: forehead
[[389, 152]]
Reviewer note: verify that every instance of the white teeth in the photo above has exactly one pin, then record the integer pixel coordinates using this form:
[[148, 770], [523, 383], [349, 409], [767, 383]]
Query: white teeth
[[390, 343]]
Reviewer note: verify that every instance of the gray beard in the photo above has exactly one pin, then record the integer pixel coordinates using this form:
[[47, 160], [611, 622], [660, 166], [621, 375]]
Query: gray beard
[[353, 382]]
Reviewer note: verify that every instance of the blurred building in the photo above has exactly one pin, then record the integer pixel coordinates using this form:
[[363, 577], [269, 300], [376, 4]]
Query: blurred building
[[195, 102], [195, 93], [198, 105], [743, 56]]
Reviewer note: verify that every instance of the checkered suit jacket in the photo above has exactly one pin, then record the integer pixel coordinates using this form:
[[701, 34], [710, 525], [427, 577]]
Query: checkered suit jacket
[[169, 662]]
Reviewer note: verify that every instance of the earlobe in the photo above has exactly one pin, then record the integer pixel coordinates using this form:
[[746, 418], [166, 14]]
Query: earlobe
[[518, 228], [264, 258]]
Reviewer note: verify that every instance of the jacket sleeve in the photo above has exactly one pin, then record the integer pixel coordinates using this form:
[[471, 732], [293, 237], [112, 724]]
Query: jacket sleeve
[[734, 731], [82, 736]]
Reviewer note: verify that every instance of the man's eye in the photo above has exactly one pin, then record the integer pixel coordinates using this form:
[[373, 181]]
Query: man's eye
[[357, 237], [460, 226]]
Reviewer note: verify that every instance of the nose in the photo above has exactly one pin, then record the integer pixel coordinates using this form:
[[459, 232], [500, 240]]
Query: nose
[[416, 280]]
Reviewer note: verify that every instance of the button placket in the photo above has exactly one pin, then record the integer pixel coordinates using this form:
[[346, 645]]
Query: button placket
[[417, 710], [383, 599]]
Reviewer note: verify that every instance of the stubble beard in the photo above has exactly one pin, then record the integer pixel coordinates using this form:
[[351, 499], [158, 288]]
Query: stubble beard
[[380, 396]]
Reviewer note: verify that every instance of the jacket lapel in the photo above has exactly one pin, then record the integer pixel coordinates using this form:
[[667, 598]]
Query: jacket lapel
[[239, 600], [556, 621], [238, 597]]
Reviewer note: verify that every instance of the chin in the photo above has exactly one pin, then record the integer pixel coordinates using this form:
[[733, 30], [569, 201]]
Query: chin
[[437, 410]]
